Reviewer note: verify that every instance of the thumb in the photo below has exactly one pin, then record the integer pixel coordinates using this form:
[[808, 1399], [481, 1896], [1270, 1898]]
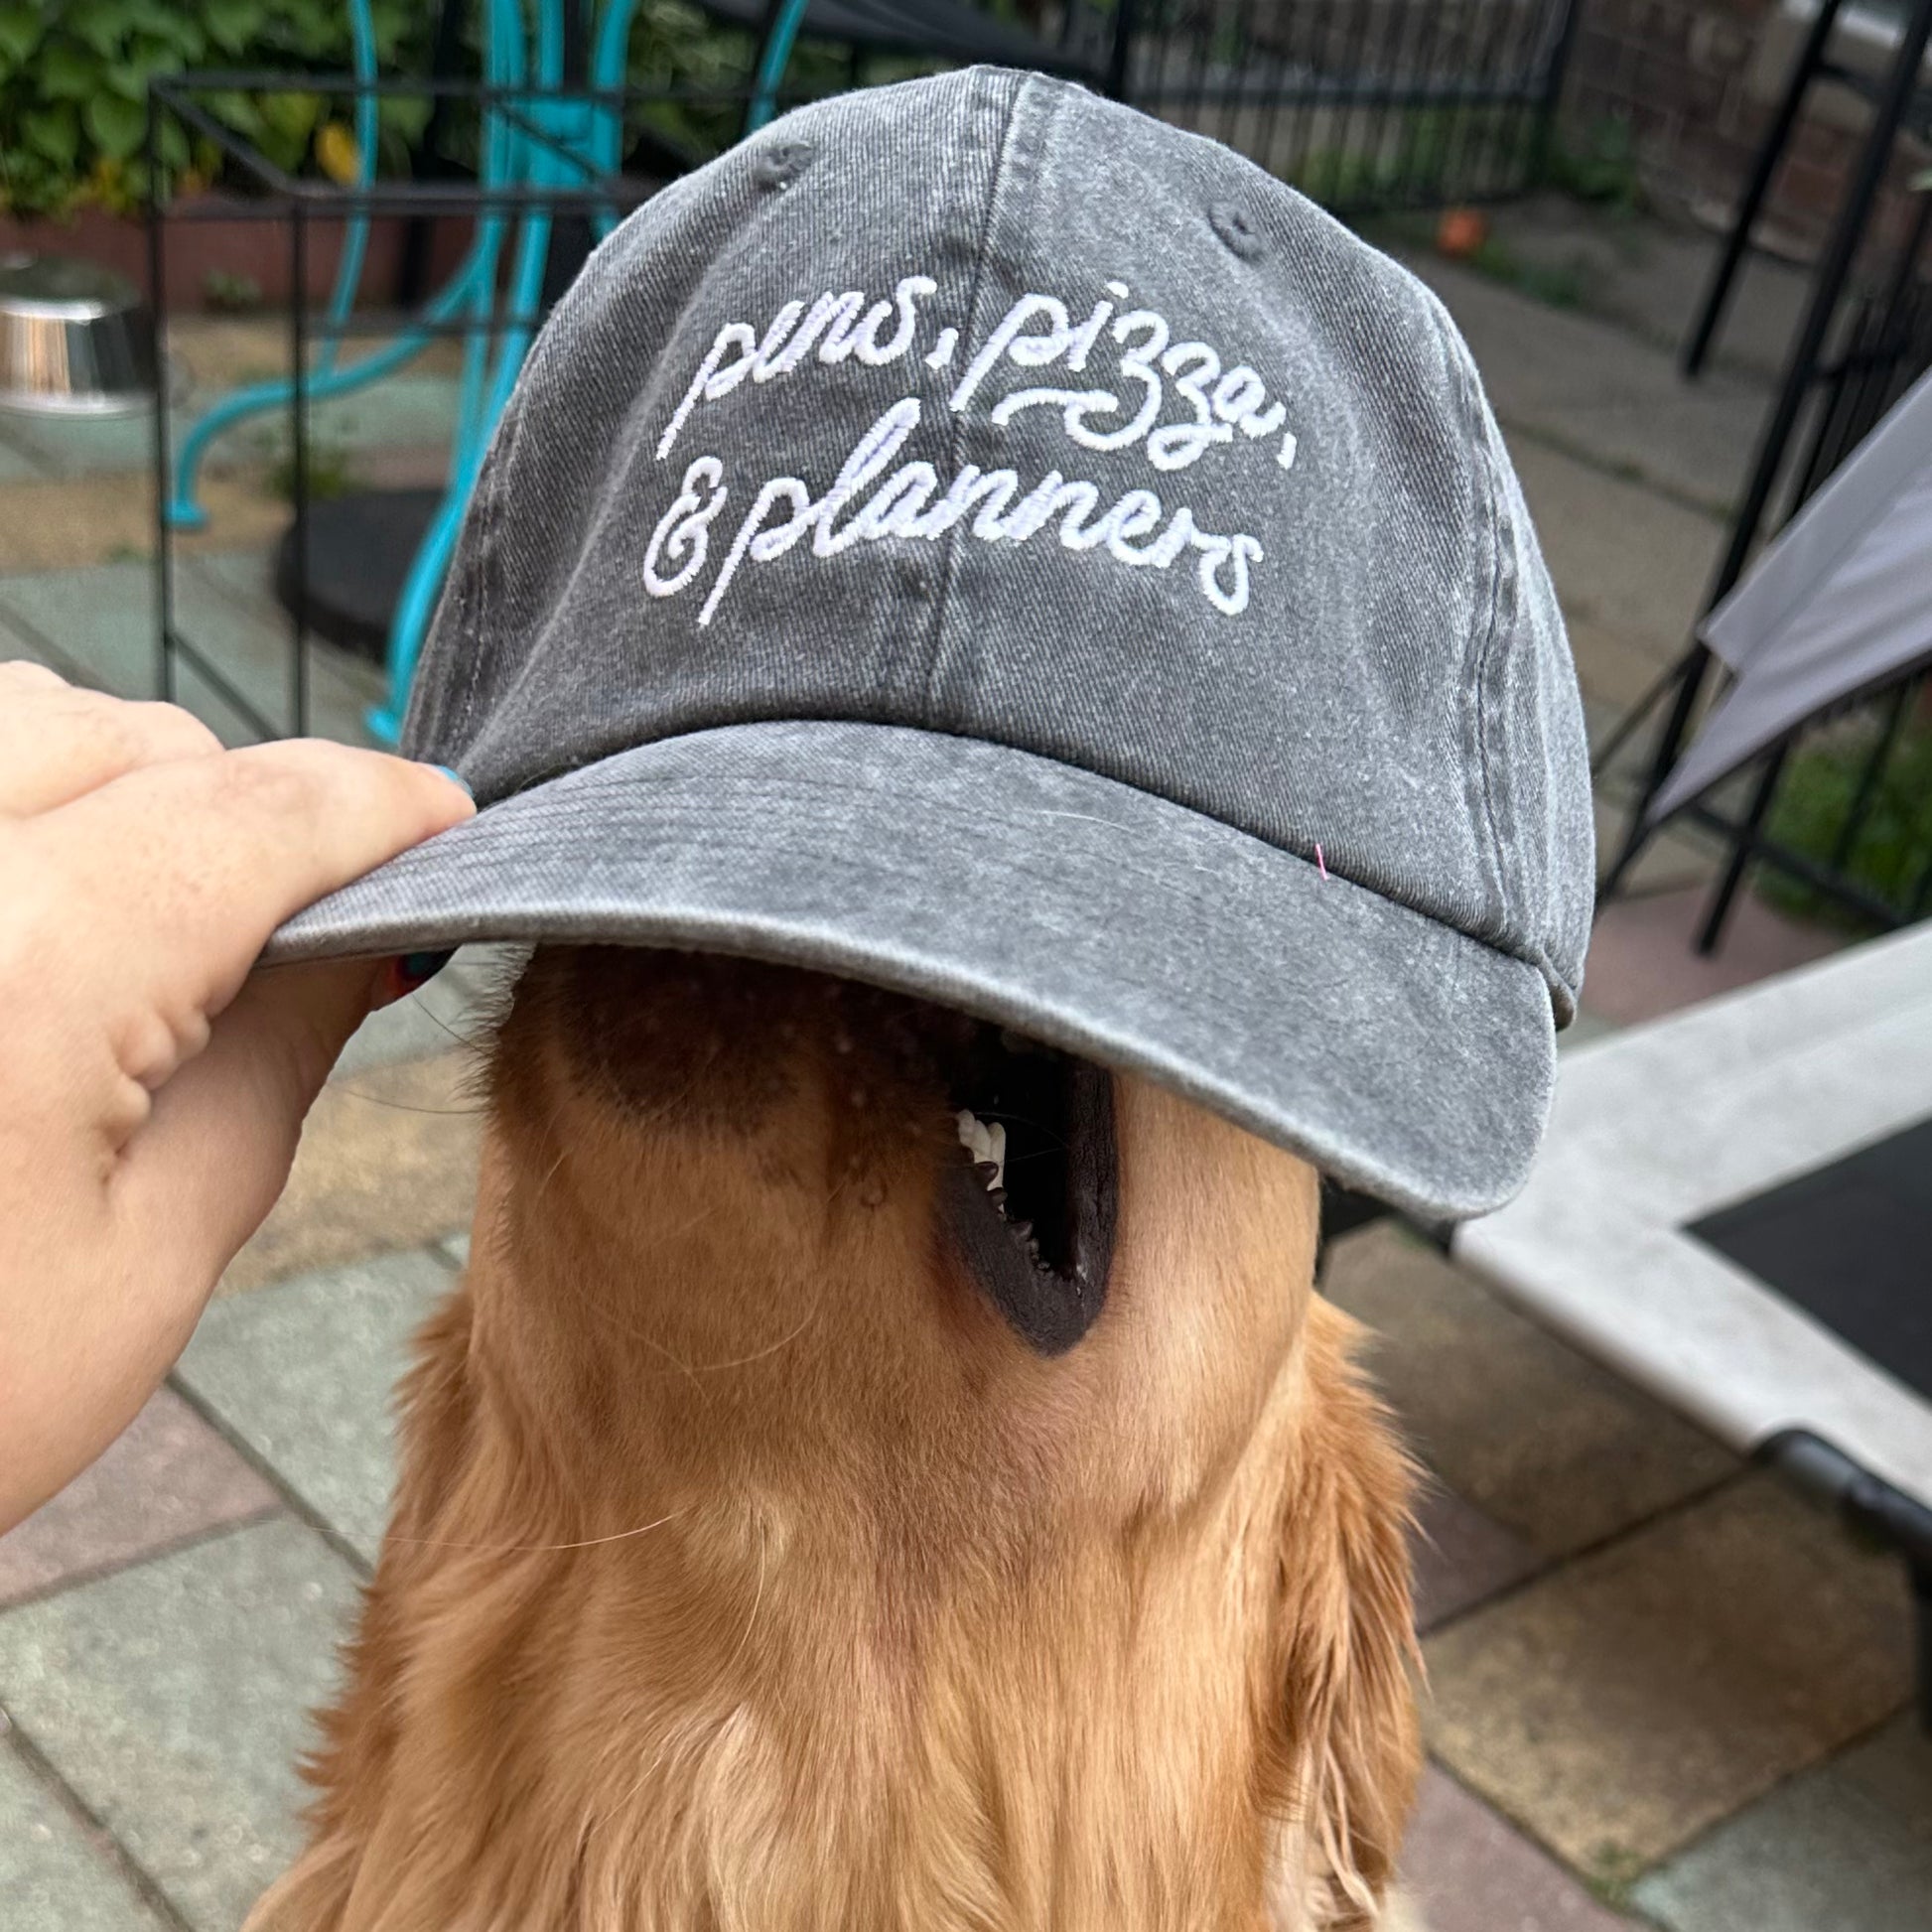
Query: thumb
[[208, 1164]]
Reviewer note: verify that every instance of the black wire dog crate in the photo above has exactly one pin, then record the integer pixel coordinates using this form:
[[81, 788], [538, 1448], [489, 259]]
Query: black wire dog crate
[[1372, 104], [317, 679]]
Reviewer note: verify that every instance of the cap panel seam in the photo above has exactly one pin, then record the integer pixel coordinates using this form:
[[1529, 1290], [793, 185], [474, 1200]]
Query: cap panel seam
[[1463, 378], [996, 190], [492, 493]]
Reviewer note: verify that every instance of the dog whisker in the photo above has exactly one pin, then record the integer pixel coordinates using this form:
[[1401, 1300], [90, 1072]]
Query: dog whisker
[[409, 1107], [534, 1549]]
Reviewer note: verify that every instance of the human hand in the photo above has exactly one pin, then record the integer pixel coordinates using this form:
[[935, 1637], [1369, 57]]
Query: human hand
[[152, 1087]]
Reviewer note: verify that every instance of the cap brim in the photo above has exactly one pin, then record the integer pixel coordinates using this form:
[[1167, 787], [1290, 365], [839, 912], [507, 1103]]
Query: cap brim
[[1399, 1055]]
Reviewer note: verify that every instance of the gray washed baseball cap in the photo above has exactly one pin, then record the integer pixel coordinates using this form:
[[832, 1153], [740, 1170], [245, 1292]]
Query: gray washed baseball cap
[[981, 540]]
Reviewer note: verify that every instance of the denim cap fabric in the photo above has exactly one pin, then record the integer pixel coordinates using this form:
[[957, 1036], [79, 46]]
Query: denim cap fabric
[[976, 538]]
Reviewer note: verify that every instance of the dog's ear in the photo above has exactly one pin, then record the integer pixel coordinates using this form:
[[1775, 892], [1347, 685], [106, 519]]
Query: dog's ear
[[1345, 1754]]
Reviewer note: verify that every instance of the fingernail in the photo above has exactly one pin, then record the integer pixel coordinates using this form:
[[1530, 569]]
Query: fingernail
[[454, 776]]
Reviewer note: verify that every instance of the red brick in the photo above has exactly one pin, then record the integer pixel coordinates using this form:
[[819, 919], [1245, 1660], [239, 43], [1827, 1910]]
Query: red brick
[[169, 1477]]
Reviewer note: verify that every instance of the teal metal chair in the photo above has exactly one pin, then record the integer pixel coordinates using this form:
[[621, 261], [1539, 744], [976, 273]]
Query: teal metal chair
[[554, 136]]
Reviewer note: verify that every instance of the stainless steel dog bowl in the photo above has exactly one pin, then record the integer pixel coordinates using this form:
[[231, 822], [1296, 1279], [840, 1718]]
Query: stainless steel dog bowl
[[75, 340]]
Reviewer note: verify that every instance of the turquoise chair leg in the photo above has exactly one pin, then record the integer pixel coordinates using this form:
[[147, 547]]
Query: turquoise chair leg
[[537, 165], [773, 61]]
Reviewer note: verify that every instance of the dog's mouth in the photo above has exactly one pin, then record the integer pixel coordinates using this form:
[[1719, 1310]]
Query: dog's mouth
[[1035, 1194]]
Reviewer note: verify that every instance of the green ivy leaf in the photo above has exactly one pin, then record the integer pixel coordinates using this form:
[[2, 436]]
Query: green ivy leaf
[[67, 73], [231, 24], [115, 123], [291, 116], [403, 115], [182, 27], [102, 24], [53, 132], [20, 33], [235, 110]]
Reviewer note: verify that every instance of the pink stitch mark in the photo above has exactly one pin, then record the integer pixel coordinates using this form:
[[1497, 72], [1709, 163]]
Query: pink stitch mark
[[1320, 865]]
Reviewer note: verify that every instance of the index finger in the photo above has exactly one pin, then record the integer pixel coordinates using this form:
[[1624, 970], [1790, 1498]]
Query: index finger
[[195, 863]]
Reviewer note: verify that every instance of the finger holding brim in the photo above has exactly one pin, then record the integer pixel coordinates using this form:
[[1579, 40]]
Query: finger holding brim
[[217, 1150], [60, 742], [188, 866]]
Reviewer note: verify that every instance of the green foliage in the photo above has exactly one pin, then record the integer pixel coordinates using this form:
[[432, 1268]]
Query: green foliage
[[1559, 285], [330, 466], [1422, 162], [75, 73], [232, 295], [73, 79], [1598, 164], [677, 49], [1814, 799]]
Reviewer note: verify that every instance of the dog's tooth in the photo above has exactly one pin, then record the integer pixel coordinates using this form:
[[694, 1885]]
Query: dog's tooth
[[1024, 1229], [997, 1150], [973, 1136]]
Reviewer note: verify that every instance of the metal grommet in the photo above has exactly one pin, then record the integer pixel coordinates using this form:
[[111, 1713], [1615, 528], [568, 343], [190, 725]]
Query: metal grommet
[[780, 163], [1237, 230]]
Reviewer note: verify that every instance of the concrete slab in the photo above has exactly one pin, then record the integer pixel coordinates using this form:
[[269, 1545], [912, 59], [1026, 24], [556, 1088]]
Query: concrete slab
[[1847, 1847], [387, 1162], [17, 466], [98, 625], [304, 1373], [1590, 387], [1621, 1705], [1632, 569], [1648, 276], [1469, 1871], [72, 445], [1462, 1558], [169, 1477], [1544, 1443], [1643, 963], [54, 1877], [403, 411], [172, 1697]]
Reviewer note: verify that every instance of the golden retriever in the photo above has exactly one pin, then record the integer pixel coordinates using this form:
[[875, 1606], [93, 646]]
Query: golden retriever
[[792, 1539]]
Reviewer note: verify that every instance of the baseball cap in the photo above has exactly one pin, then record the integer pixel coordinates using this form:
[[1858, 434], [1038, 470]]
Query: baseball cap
[[981, 540]]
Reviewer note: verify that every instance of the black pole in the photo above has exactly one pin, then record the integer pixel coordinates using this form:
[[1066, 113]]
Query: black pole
[[1764, 165], [163, 589], [1801, 370], [427, 163], [1120, 56], [299, 439], [571, 235], [1552, 80], [1743, 842]]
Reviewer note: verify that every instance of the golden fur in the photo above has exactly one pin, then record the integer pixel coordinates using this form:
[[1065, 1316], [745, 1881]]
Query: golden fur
[[749, 1574]]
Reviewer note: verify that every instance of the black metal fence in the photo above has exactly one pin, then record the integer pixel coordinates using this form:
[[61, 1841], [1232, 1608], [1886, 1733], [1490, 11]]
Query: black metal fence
[[1364, 104], [1838, 818]]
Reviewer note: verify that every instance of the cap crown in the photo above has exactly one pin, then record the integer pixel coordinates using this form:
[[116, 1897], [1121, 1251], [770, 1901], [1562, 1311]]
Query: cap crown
[[988, 407]]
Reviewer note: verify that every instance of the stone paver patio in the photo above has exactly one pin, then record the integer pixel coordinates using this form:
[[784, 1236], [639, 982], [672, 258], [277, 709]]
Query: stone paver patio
[[1663, 1692]]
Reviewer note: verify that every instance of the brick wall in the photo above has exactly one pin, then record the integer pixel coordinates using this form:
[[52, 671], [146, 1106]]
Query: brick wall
[[1698, 80]]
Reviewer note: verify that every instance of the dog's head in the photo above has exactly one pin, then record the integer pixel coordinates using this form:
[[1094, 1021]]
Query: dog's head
[[1006, 1368], [879, 1472]]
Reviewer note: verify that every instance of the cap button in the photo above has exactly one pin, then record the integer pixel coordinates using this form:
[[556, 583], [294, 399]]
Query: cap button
[[1237, 230], [780, 163]]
